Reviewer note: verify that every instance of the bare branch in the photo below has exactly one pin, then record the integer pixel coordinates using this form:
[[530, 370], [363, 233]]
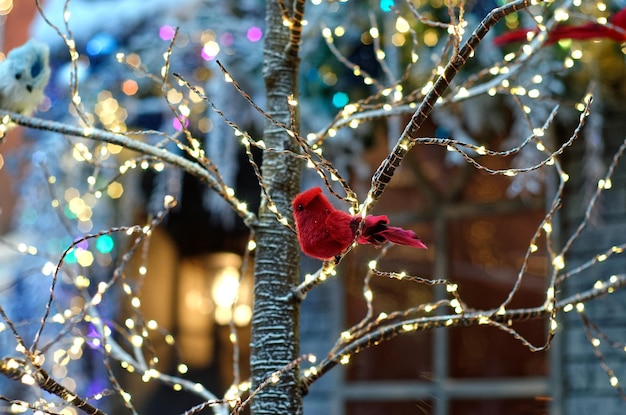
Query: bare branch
[[385, 332], [158, 153]]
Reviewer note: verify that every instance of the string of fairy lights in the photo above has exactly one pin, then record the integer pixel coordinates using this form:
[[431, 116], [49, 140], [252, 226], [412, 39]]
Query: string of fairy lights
[[390, 97]]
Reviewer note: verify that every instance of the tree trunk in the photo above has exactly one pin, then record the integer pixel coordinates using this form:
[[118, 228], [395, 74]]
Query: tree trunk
[[275, 328]]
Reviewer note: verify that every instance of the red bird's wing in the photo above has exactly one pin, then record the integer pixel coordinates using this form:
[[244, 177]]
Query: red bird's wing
[[580, 32], [514, 36], [373, 229], [338, 227], [586, 32]]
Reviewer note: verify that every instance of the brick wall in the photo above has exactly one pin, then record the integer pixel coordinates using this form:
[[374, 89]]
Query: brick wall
[[585, 385]]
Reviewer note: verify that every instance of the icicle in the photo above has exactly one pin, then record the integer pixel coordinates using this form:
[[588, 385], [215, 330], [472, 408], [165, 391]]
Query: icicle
[[167, 182], [222, 149], [593, 164], [450, 122]]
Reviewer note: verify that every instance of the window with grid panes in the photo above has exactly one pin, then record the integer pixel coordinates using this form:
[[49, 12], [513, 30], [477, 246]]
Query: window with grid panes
[[477, 237]]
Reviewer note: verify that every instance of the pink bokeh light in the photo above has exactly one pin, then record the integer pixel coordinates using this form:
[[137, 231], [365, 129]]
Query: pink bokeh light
[[254, 34], [166, 32], [177, 125], [227, 39]]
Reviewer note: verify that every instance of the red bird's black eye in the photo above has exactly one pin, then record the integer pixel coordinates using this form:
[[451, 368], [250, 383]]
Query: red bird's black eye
[[300, 207]]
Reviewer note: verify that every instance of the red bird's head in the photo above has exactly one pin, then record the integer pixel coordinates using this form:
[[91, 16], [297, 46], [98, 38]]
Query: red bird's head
[[311, 201], [301, 201], [310, 206]]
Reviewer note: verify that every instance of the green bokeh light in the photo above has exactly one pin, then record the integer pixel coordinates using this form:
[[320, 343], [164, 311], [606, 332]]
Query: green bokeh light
[[105, 244]]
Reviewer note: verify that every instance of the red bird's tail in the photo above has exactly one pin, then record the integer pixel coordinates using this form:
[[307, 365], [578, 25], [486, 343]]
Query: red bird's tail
[[376, 232], [403, 237]]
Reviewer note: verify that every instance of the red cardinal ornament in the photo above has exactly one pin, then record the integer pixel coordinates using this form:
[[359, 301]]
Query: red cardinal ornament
[[324, 232], [582, 32]]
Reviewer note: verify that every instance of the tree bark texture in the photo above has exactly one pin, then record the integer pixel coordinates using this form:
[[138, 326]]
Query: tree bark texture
[[275, 321]]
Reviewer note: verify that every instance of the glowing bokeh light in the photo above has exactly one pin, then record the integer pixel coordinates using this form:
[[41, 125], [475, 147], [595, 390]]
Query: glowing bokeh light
[[227, 39], [177, 125], [210, 50], [340, 99], [5, 7], [105, 244], [167, 32], [386, 5], [254, 34]]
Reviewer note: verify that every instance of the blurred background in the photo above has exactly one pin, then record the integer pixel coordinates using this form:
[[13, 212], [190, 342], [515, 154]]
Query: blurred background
[[477, 226]]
